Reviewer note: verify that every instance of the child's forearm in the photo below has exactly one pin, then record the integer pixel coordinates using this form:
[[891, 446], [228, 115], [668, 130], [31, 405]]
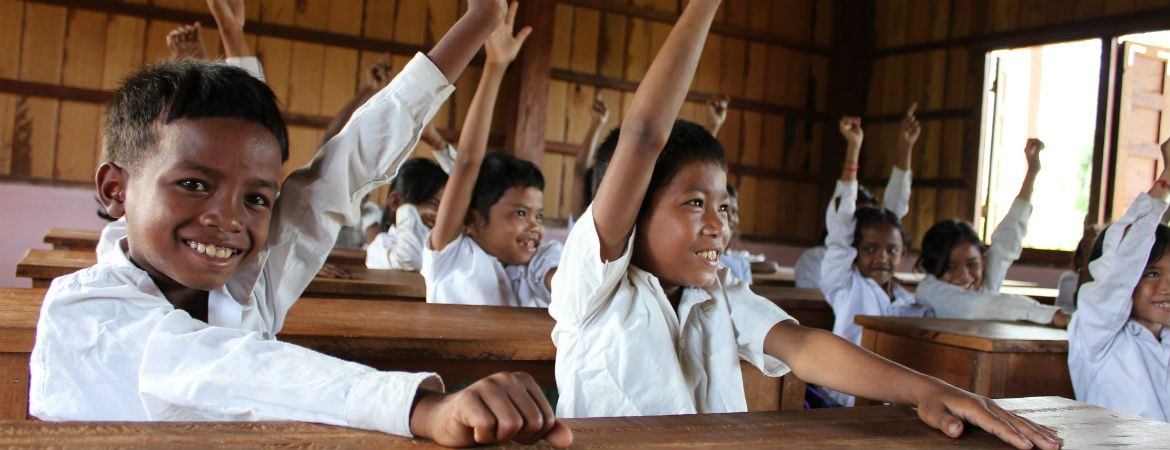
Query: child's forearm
[[905, 150], [1029, 184], [477, 126], [456, 49], [851, 166], [235, 45], [822, 358]]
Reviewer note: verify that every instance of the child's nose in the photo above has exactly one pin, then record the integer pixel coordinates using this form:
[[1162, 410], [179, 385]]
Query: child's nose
[[225, 214]]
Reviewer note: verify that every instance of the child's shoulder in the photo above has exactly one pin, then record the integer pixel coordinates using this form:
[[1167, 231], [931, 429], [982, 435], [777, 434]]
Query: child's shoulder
[[102, 282]]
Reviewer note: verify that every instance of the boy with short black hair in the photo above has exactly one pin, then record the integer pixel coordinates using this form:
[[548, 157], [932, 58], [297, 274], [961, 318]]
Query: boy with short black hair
[[647, 324], [179, 322], [487, 245]]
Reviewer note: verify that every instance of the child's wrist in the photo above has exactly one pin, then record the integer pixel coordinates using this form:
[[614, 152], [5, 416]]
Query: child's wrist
[[421, 414]]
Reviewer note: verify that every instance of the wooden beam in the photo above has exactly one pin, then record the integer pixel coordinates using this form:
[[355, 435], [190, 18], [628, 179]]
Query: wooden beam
[[526, 136], [935, 183], [694, 96], [737, 169], [722, 29], [1105, 137], [1107, 27], [922, 115]]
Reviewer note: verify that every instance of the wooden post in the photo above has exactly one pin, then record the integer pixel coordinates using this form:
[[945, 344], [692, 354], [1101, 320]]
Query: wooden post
[[850, 66], [526, 134]]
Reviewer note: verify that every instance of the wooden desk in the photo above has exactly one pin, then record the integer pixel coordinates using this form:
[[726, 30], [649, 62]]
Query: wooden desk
[[460, 342], [1082, 427], [66, 239], [996, 359], [42, 266], [785, 276]]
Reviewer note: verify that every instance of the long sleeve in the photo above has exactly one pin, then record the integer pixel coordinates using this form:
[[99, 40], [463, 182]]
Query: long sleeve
[[1007, 242], [317, 200], [251, 64], [229, 374], [897, 195], [446, 157], [406, 252], [837, 267], [950, 301], [1108, 299]]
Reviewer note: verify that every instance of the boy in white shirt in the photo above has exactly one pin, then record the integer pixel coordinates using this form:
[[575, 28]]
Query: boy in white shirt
[[486, 247], [414, 201], [963, 282], [1119, 337], [648, 324], [896, 199], [178, 322]]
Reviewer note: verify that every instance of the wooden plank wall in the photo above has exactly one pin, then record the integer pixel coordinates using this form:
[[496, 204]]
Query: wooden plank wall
[[59, 60], [931, 51], [770, 57]]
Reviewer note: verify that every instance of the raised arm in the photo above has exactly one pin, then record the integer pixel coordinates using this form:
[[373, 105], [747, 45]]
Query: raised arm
[[837, 265], [1007, 241], [716, 113], [598, 115], [897, 195], [1032, 152], [452, 54], [501, 47], [647, 126], [229, 17]]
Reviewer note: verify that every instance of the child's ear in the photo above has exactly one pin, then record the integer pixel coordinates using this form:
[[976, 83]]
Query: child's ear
[[473, 223], [111, 188]]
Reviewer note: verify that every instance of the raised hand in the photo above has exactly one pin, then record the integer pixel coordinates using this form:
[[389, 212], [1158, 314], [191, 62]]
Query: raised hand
[[186, 42], [910, 130], [379, 74], [1032, 153], [502, 46], [850, 127], [717, 113], [500, 408], [228, 13], [599, 111]]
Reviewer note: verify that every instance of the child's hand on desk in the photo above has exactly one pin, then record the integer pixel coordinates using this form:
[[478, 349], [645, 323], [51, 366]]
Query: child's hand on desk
[[500, 408], [946, 408], [332, 271], [1060, 320]]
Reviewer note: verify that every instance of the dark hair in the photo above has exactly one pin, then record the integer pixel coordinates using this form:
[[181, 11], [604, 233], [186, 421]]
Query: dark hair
[[418, 180], [163, 93], [688, 142], [865, 197], [940, 240], [1161, 244], [731, 192], [498, 173], [867, 217]]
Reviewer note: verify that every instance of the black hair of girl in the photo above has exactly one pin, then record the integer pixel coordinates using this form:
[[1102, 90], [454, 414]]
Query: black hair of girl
[[1161, 244], [418, 180], [940, 240], [498, 173], [867, 217]]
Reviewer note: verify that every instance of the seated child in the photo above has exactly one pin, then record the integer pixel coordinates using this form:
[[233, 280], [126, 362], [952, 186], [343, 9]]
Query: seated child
[[1071, 280], [1119, 337], [737, 261], [896, 198], [486, 246], [647, 324], [962, 282], [179, 323], [414, 198]]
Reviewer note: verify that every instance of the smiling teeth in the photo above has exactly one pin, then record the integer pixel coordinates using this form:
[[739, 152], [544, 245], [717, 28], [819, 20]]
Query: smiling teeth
[[212, 250], [709, 254]]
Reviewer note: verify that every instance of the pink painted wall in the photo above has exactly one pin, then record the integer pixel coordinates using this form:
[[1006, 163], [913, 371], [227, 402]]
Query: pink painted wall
[[29, 211]]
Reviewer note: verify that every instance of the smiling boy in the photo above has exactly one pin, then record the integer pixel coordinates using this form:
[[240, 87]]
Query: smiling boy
[[647, 324], [178, 322]]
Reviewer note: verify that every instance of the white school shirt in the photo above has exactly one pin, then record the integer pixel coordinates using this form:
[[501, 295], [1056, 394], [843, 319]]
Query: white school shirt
[[109, 345], [950, 301], [1066, 294], [1115, 362], [401, 247], [738, 263], [464, 274], [250, 64], [623, 350], [896, 199]]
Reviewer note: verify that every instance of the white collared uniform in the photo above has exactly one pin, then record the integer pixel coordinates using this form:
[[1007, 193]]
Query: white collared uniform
[[848, 292], [948, 300], [110, 346], [896, 198], [623, 350], [400, 248], [1115, 362], [463, 273]]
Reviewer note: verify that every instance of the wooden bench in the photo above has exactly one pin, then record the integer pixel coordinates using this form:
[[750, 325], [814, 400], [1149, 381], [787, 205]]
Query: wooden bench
[[86, 240], [460, 342], [42, 266], [1079, 424], [991, 358]]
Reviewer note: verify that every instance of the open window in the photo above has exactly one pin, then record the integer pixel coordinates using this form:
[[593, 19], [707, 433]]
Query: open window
[[1143, 117], [1049, 92]]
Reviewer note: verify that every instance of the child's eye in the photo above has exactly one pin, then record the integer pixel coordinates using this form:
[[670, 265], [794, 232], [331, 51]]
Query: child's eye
[[258, 200], [540, 217], [725, 208], [194, 185], [1151, 274], [521, 213], [696, 202]]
